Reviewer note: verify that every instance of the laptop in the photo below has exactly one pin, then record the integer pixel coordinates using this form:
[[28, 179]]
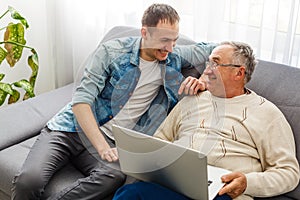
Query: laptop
[[181, 169]]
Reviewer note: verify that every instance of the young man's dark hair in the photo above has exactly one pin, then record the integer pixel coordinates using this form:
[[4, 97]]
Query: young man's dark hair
[[159, 12]]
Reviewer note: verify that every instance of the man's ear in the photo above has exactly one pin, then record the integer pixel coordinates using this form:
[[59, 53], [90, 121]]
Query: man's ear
[[144, 32], [240, 74]]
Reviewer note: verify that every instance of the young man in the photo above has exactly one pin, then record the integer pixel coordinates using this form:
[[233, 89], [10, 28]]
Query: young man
[[250, 135], [133, 82]]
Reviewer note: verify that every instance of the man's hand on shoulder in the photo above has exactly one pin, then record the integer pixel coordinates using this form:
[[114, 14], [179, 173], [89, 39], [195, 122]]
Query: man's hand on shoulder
[[236, 184], [192, 86]]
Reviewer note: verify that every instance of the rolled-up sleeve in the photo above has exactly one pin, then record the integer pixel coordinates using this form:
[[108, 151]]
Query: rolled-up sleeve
[[94, 77], [196, 54]]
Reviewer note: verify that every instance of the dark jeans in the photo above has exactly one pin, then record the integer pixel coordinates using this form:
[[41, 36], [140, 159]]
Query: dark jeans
[[52, 151], [150, 191]]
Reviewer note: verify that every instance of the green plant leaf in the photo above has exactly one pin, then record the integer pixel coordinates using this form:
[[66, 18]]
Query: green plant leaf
[[27, 87], [3, 54], [27, 96], [16, 15], [2, 96], [6, 88], [1, 76], [14, 43], [14, 33], [14, 97], [35, 57], [33, 62]]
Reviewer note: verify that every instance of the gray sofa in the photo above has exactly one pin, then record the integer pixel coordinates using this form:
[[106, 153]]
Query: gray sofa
[[20, 123]]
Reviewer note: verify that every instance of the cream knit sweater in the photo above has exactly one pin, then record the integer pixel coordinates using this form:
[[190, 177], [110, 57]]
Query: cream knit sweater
[[246, 133]]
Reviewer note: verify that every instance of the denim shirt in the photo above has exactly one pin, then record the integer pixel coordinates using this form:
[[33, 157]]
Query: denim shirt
[[111, 75]]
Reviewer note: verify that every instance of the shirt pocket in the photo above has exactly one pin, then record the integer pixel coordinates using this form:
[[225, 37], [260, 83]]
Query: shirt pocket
[[119, 83]]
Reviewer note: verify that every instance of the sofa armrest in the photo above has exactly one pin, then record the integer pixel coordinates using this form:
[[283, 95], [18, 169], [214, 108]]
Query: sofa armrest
[[25, 119]]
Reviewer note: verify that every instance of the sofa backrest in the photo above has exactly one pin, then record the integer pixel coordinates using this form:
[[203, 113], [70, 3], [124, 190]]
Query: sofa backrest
[[280, 84], [25, 119]]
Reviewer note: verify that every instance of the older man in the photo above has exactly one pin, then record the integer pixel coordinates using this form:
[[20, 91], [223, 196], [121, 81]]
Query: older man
[[251, 137]]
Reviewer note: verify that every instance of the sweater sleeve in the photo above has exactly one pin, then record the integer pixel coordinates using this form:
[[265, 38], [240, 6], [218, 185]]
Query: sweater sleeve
[[276, 149]]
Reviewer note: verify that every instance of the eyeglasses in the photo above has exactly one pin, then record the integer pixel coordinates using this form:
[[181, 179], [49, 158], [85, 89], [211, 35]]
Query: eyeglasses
[[214, 65]]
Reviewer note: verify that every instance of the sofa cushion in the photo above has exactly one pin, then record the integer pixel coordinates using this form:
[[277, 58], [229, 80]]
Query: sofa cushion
[[25, 119], [282, 88], [12, 159]]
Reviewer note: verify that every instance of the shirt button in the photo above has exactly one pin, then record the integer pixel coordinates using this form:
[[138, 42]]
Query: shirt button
[[110, 116], [130, 94], [120, 106]]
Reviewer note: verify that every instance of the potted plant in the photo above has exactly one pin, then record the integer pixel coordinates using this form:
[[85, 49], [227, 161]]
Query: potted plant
[[11, 48]]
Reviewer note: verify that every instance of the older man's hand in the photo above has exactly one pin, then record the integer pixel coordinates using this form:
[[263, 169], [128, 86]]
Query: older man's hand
[[192, 86], [236, 184]]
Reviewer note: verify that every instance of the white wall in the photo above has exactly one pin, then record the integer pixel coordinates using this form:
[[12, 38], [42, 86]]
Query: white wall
[[34, 11]]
